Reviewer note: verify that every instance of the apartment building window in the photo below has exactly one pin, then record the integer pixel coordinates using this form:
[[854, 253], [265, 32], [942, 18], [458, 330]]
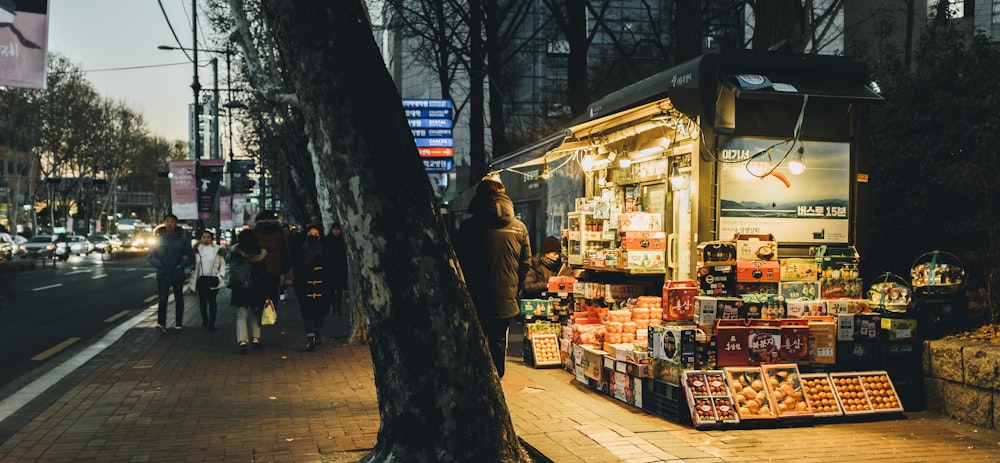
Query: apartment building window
[[995, 17]]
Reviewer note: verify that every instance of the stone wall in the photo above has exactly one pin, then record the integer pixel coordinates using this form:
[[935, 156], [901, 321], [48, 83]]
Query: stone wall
[[962, 380]]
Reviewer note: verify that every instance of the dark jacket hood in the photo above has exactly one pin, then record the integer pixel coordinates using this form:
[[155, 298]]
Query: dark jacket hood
[[494, 210], [268, 226]]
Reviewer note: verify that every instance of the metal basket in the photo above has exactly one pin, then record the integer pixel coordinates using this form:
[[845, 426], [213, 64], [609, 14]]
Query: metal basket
[[937, 272], [890, 293]]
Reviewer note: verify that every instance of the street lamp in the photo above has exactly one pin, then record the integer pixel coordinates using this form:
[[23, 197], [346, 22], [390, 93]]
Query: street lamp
[[215, 102]]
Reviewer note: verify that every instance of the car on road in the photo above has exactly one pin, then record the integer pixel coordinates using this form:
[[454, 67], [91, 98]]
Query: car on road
[[38, 246], [8, 246], [105, 243], [73, 244]]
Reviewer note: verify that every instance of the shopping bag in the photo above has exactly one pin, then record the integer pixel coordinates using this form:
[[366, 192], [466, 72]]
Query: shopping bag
[[269, 316]]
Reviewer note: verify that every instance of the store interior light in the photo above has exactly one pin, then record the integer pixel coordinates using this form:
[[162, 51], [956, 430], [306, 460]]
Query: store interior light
[[676, 177], [587, 163], [625, 161], [798, 163]]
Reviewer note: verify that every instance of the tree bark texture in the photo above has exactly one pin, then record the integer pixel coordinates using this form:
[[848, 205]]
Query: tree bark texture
[[439, 397]]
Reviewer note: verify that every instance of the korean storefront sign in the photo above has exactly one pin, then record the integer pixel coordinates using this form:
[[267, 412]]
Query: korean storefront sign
[[759, 194]]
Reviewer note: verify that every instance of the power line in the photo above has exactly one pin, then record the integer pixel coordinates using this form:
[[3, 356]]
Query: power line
[[172, 32], [129, 68]]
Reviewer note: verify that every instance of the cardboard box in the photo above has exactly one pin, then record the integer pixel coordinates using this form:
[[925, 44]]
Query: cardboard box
[[799, 290], [834, 260], [900, 328], [593, 364], [731, 342], [708, 308], [705, 351], [645, 261], [836, 288], [764, 341], [756, 287], [678, 300], [640, 240], [764, 306], [845, 327], [712, 253], [852, 306], [561, 284], [717, 280], [756, 247], [799, 269], [822, 340], [622, 292], [794, 340], [866, 326], [802, 309], [536, 307], [673, 343], [640, 221], [668, 372], [757, 270]]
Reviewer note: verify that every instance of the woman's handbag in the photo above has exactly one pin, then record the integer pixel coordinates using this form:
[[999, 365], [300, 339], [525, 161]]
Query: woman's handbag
[[269, 316], [208, 281]]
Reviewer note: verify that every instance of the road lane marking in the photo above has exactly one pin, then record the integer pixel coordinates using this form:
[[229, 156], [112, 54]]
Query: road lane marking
[[55, 349], [151, 275], [40, 288], [78, 271], [150, 299], [116, 316], [98, 276]]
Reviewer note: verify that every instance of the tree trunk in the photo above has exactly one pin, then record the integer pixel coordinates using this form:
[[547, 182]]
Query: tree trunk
[[439, 397], [576, 62]]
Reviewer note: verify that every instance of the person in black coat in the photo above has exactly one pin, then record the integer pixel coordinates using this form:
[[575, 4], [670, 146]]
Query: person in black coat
[[312, 284], [249, 302], [547, 263], [337, 249], [494, 253]]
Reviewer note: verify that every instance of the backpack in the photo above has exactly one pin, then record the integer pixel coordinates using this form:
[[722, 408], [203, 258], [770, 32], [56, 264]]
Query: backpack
[[240, 272]]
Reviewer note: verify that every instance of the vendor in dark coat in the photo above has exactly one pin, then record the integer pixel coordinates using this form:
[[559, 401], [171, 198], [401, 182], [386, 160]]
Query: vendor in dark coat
[[494, 252], [547, 263]]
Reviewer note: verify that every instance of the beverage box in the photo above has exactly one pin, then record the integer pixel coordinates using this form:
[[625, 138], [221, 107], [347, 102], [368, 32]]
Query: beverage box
[[836, 288], [678, 300], [639, 221], [708, 308], [619, 292], [799, 290], [822, 340], [756, 287], [756, 247], [640, 240], [763, 341], [717, 280], [794, 340], [645, 261], [839, 306], [799, 269], [758, 270], [764, 306], [839, 258], [673, 343], [802, 309], [714, 253], [536, 307], [561, 284], [731, 342]]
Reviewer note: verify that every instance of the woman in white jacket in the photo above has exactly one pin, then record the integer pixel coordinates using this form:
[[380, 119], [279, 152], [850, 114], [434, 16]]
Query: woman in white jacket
[[208, 275]]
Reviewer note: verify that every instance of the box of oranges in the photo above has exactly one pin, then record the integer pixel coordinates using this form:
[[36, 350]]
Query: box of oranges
[[866, 392], [819, 391], [546, 350]]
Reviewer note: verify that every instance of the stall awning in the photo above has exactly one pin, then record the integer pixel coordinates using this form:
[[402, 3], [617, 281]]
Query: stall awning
[[815, 88]]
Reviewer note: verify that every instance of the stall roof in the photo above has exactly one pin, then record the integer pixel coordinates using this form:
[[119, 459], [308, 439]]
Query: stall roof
[[692, 87]]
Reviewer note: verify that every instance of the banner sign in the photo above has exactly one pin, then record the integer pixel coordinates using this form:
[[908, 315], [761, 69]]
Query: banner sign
[[183, 190], [431, 123], [23, 43], [209, 177], [225, 213], [759, 194]]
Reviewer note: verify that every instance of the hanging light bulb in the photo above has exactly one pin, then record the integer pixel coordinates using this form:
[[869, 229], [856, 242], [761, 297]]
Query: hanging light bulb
[[798, 163], [545, 173], [587, 163], [676, 177], [625, 161]]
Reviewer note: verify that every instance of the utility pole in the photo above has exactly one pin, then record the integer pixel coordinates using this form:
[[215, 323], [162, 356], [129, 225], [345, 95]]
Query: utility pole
[[196, 86]]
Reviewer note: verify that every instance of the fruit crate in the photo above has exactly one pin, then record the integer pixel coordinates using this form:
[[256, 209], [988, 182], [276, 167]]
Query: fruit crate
[[819, 390], [785, 385], [665, 400], [545, 349], [709, 398], [865, 392]]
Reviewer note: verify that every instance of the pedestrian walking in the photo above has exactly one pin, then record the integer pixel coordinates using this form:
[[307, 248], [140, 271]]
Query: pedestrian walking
[[312, 285], [270, 236], [337, 249], [170, 256], [247, 273], [494, 252], [209, 272], [547, 263]]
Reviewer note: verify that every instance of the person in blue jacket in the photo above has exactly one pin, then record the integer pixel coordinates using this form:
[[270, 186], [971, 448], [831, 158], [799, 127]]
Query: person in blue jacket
[[171, 256]]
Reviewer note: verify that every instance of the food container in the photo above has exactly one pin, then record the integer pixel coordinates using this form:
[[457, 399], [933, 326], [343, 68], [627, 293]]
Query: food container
[[756, 247], [786, 387], [751, 393], [889, 293], [678, 300], [546, 350], [717, 253], [709, 399], [819, 391], [866, 392], [937, 272]]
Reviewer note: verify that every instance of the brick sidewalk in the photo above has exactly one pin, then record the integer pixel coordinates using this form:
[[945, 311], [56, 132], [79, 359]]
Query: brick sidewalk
[[188, 396]]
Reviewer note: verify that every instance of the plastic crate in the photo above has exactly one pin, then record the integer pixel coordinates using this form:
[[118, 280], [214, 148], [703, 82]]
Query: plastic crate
[[527, 353], [665, 400]]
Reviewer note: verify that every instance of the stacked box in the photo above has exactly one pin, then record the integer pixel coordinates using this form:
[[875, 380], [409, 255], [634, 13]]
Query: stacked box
[[803, 309], [797, 269], [731, 342], [713, 253], [708, 309], [717, 280], [898, 329], [756, 247], [673, 343], [799, 290], [764, 306], [822, 340], [644, 240], [764, 341], [536, 307], [758, 271], [852, 306], [794, 340], [678, 300]]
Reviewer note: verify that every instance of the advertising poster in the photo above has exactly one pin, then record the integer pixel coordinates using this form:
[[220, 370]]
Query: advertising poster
[[759, 194], [23, 42], [226, 212], [209, 177], [183, 190]]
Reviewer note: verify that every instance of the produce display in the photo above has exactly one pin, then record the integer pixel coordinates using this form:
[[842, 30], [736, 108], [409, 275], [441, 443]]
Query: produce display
[[709, 399], [819, 391], [866, 392], [787, 390], [750, 393], [546, 349]]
